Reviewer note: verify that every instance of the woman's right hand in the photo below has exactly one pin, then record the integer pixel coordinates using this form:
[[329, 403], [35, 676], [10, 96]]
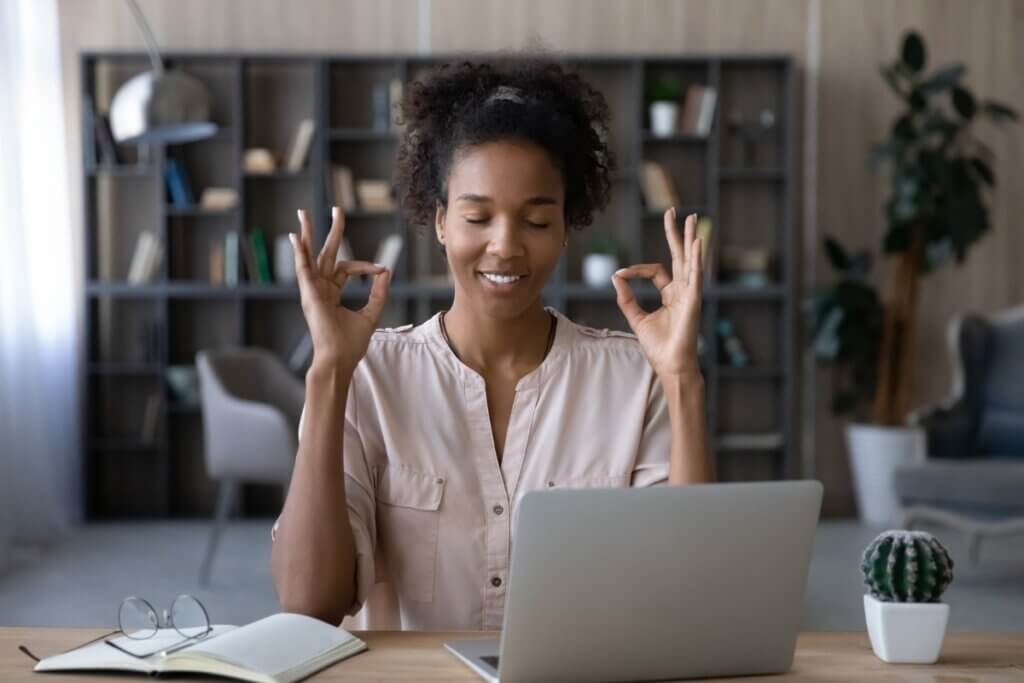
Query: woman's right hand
[[340, 335]]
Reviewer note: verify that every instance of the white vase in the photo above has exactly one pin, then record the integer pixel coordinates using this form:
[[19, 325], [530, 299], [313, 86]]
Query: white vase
[[906, 632], [875, 453], [664, 118], [598, 269], [284, 260]]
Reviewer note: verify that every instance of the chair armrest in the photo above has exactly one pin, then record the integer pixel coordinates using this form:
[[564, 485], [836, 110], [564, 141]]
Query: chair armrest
[[949, 430], [248, 441]]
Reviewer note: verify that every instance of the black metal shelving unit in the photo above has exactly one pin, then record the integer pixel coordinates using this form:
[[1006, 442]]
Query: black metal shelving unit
[[258, 101]]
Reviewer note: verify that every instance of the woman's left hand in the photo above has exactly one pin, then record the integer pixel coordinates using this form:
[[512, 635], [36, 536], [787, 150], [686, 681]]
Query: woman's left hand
[[668, 335]]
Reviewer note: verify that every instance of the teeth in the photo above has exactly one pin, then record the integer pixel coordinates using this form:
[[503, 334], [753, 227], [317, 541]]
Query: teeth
[[501, 279]]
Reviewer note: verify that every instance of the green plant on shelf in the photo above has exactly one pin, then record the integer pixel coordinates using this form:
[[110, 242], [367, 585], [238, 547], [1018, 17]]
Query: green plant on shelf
[[665, 89]]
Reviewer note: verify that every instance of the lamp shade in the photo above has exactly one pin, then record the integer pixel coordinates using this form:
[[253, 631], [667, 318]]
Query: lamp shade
[[167, 107]]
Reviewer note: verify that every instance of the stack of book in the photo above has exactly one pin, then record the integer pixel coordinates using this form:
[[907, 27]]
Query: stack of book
[[698, 111], [242, 257], [374, 195]]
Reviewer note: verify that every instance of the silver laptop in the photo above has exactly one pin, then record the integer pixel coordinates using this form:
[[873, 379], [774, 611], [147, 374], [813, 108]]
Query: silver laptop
[[645, 584]]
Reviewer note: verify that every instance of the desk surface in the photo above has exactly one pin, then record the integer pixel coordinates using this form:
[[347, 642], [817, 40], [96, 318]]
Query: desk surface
[[419, 656]]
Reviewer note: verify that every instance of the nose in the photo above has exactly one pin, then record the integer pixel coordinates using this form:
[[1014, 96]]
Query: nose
[[506, 241]]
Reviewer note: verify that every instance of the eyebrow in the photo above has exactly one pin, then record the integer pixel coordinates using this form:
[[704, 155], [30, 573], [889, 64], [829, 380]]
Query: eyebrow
[[483, 199]]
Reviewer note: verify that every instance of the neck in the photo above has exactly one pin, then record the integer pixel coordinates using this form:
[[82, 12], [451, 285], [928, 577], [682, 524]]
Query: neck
[[486, 343]]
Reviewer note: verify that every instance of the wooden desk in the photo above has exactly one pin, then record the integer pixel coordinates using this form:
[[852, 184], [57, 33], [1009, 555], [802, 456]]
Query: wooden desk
[[416, 656]]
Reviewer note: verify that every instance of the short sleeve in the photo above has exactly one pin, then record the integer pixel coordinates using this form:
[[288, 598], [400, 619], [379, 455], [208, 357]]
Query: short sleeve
[[361, 502], [655, 451]]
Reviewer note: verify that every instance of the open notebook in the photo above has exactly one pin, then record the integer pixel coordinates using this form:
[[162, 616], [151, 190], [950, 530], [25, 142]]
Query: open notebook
[[277, 649]]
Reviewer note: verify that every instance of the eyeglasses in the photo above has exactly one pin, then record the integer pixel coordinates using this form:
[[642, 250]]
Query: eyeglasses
[[141, 634]]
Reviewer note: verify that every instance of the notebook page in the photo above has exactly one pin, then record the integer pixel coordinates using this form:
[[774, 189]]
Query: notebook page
[[274, 644]]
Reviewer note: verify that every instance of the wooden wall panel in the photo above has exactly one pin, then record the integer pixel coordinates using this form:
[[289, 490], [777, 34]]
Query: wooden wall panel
[[853, 107]]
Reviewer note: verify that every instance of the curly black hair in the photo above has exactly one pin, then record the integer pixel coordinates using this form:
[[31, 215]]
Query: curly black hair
[[453, 106]]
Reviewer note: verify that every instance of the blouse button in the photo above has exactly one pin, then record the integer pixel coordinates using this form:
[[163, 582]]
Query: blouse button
[[498, 509], [551, 483], [496, 581], [440, 480]]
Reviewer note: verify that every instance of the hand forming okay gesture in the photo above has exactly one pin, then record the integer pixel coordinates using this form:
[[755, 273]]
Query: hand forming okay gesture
[[340, 336], [668, 335]]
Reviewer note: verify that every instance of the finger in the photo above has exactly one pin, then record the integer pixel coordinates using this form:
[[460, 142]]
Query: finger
[[329, 254], [626, 300], [378, 296], [302, 267], [651, 271], [306, 227], [344, 269], [675, 245], [697, 267]]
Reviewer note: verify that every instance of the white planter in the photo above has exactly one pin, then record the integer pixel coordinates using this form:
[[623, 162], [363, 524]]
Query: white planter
[[906, 632], [875, 453], [598, 269], [664, 118]]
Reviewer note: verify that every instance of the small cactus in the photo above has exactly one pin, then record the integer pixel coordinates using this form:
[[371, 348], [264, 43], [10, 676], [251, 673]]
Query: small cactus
[[906, 566]]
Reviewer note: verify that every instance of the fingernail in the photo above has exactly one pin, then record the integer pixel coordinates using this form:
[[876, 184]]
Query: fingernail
[[299, 213], [673, 213], [618, 272], [334, 211], [380, 265]]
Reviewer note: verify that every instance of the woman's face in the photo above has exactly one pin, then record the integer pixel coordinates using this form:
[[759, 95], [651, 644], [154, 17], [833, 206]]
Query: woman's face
[[504, 227]]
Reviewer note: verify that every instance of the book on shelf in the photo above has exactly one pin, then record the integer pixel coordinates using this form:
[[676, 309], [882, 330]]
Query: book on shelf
[[232, 259], [217, 264], [299, 148], [146, 258], [179, 187], [698, 110], [302, 353], [105, 139], [151, 418], [218, 198], [706, 115], [89, 155], [342, 187], [658, 189], [281, 648], [379, 104], [261, 257], [374, 195], [248, 269], [691, 108], [388, 251]]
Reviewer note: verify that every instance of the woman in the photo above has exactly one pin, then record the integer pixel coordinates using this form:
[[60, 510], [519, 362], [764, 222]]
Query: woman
[[416, 444]]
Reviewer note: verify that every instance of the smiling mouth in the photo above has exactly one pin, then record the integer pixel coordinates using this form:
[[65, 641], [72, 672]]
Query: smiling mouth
[[502, 278]]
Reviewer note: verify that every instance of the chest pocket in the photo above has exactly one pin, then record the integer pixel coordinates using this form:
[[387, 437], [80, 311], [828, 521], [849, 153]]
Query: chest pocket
[[408, 517]]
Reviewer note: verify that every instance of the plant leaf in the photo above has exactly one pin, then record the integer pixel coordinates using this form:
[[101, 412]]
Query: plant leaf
[[913, 53], [836, 254], [998, 112], [963, 102], [984, 171], [945, 77]]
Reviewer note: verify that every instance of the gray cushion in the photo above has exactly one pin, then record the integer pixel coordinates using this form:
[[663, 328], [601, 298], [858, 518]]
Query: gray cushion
[[1002, 414], [989, 488]]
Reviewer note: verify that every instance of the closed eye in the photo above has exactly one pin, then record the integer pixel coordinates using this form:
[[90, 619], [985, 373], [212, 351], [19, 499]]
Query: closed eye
[[484, 220]]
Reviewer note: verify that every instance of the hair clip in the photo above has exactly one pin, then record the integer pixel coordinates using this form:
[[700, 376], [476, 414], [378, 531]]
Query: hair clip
[[505, 92]]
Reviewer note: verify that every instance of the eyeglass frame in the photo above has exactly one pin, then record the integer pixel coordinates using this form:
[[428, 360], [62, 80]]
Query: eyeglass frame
[[168, 620]]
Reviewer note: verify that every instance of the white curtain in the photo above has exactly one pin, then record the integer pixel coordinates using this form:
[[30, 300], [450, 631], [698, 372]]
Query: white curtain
[[40, 292]]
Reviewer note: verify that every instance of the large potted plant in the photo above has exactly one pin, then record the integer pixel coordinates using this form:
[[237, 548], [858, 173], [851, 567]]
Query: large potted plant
[[937, 172]]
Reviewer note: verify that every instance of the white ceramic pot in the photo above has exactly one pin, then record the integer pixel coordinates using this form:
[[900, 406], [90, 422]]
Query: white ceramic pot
[[664, 118], [598, 269], [875, 453], [906, 632]]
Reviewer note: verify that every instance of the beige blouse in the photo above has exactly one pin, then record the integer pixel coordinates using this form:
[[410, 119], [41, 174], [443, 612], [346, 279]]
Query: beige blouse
[[432, 510]]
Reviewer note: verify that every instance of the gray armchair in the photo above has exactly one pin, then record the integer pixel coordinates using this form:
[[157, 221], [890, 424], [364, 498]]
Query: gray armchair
[[251, 404], [973, 478]]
